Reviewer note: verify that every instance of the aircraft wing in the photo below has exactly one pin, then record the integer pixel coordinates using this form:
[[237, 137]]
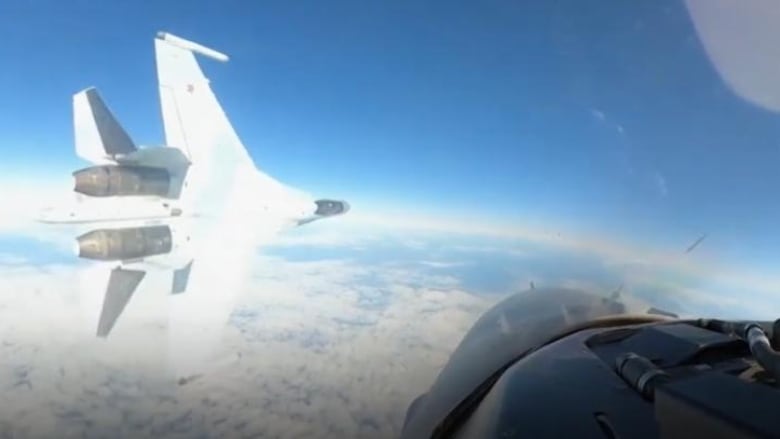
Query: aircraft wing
[[130, 251], [121, 285], [196, 283]]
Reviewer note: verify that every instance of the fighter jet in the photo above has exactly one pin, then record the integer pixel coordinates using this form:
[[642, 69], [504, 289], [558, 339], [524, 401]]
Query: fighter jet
[[149, 207], [556, 362]]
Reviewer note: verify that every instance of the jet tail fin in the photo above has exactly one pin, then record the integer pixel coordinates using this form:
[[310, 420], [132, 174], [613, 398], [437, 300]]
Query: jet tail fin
[[98, 135], [193, 119], [195, 123]]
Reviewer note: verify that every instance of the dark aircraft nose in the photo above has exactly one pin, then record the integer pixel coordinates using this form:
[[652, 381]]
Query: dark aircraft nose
[[331, 207]]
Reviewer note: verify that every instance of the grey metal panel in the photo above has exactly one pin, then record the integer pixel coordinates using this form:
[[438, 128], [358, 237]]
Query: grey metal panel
[[115, 139], [180, 279], [121, 286]]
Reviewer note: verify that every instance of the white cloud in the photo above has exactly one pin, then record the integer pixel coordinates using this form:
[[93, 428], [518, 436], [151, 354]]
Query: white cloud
[[416, 244], [10, 259], [23, 198], [372, 356], [660, 184], [485, 248], [327, 234], [442, 264], [601, 117], [598, 114], [323, 348]]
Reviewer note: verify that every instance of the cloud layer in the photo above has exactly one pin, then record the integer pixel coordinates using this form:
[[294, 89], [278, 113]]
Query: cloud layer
[[330, 347]]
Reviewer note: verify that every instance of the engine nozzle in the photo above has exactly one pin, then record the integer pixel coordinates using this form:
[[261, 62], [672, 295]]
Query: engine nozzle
[[331, 207], [124, 244], [111, 180]]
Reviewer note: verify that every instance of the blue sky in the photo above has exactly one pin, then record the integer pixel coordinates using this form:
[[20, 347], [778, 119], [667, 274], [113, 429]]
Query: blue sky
[[605, 118]]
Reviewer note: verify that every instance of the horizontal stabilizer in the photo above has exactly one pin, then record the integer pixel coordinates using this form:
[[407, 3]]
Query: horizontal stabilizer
[[121, 286], [98, 135]]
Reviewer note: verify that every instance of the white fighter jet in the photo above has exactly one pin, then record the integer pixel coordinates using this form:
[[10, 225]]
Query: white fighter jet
[[166, 208]]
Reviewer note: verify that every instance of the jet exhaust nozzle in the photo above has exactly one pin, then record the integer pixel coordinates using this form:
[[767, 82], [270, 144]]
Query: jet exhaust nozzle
[[124, 244], [112, 180]]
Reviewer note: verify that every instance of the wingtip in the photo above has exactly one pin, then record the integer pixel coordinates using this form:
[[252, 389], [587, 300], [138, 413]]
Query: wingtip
[[90, 89], [192, 46]]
